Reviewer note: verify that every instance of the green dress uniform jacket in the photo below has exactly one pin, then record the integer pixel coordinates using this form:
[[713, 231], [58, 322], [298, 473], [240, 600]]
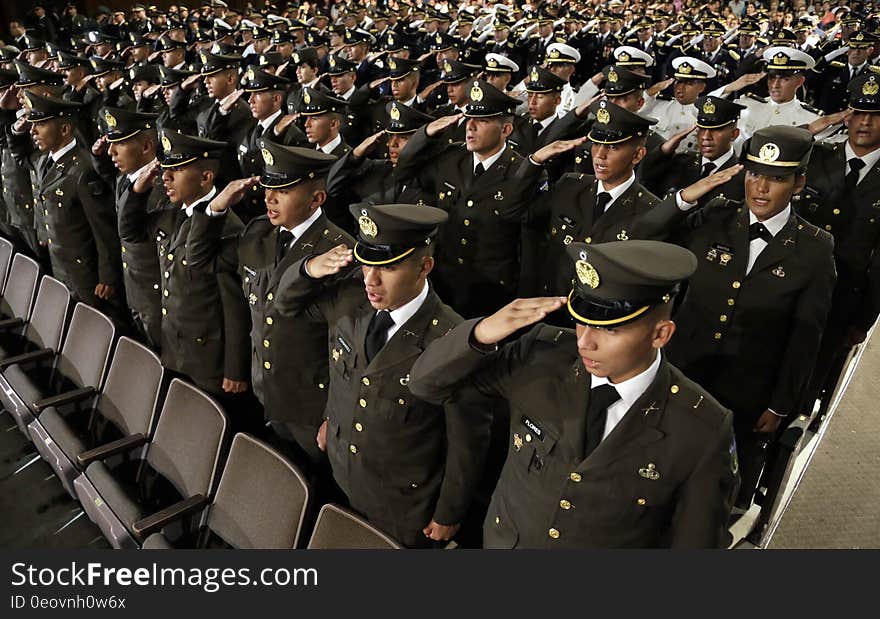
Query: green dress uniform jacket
[[289, 367], [17, 186], [478, 254], [205, 321], [663, 477], [400, 461]]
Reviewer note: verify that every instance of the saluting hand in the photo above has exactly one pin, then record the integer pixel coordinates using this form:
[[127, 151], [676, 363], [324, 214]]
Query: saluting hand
[[436, 126], [743, 81], [670, 145], [117, 83], [581, 110], [9, 100], [428, 90], [145, 181], [330, 262], [229, 100], [823, 122], [364, 146], [659, 87], [555, 148], [514, 316], [152, 90], [377, 82], [703, 186], [232, 193], [100, 146], [189, 82], [282, 125], [440, 532]]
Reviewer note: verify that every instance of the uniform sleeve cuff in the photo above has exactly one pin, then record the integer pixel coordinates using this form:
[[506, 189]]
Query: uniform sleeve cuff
[[680, 202], [484, 349]]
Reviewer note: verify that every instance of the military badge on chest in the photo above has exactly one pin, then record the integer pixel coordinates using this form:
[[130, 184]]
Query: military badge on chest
[[722, 254]]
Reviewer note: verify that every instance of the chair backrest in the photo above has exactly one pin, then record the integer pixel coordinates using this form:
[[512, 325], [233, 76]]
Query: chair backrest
[[186, 445], [337, 528], [87, 347], [18, 296], [6, 252], [46, 326], [130, 396], [261, 500]]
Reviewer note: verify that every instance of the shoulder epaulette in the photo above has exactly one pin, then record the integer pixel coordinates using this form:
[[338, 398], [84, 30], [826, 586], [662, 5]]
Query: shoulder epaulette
[[836, 64], [733, 54], [873, 68], [812, 109], [755, 97]]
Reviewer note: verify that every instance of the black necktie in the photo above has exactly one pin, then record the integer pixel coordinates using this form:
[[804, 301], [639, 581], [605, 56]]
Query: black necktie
[[478, 170], [855, 167], [759, 231], [707, 169], [601, 398], [123, 186], [376, 333], [282, 244], [48, 162], [602, 200], [535, 130]]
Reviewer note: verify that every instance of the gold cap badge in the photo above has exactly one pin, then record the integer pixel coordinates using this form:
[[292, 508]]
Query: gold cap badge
[[613, 76], [394, 113], [110, 120], [307, 98], [768, 153], [586, 273], [166, 144], [476, 92], [603, 116], [623, 57], [870, 88], [267, 156], [367, 226], [708, 107]]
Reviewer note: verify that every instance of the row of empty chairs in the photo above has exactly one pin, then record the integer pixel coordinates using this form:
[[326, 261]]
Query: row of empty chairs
[[149, 459]]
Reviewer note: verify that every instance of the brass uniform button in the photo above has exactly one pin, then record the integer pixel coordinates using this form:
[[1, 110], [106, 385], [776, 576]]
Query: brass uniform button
[[165, 292], [365, 381], [641, 502], [270, 296], [363, 403], [736, 284], [554, 533], [353, 449], [575, 477], [717, 336], [723, 318], [528, 438], [170, 256], [731, 302], [359, 427], [673, 389], [267, 365], [164, 312], [269, 320], [266, 343], [564, 504]]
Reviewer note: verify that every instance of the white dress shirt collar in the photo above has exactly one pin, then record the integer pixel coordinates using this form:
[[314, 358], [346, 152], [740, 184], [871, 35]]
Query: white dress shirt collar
[[347, 94], [719, 163], [137, 173], [546, 122], [617, 191], [58, 154], [267, 122], [629, 390], [205, 199], [870, 160], [488, 161], [776, 223], [329, 146], [298, 230], [406, 311]]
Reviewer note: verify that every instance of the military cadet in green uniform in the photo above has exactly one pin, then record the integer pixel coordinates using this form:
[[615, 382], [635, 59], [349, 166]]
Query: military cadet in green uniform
[[289, 365], [664, 171], [131, 142], [205, 321], [410, 469], [756, 307], [76, 204], [591, 209], [610, 445], [478, 184]]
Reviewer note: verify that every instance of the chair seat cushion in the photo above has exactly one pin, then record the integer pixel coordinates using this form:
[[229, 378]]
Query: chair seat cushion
[[56, 426], [24, 385], [157, 541], [119, 498]]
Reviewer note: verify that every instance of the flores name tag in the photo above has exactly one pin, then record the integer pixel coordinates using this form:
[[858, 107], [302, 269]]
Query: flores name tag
[[531, 425]]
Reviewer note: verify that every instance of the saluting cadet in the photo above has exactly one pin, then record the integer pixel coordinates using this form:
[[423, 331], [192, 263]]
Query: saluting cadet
[[680, 113], [410, 467], [457, 77], [610, 445], [129, 146], [786, 69], [205, 321], [288, 354], [478, 185], [76, 206], [757, 304], [498, 70], [664, 171], [723, 60], [591, 208], [831, 91], [842, 196]]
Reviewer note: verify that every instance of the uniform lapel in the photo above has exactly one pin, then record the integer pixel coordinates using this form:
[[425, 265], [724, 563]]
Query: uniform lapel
[[779, 248], [575, 389], [407, 340], [620, 210]]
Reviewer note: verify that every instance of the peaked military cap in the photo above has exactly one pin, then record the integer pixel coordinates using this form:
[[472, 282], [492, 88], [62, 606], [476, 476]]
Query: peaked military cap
[[615, 124], [784, 36], [455, 71], [282, 37], [259, 32], [7, 78], [315, 102], [135, 39], [8, 53], [285, 166], [398, 68], [749, 26], [541, 80], [787, 59], [29, 75], [714, 112], [620, 81], [256, 80], [31, 44], [863, 93], [714, 27], [336, 65], [316, 39], [165, 44], [560, 52], [628, 56], [67, 60], [41, 108], [121, 124], [214, 63], [802, 24], [306, 55], [147, 72], [778, 150], [403, 119], [270, 59], [353, 37], [102, 66], [178, 149], [496, 63], [617, 283], [388, 233], [690, 68], [643, 23], [484, 100], [440, 42], [862, 40], [169, 78], [689, 26]]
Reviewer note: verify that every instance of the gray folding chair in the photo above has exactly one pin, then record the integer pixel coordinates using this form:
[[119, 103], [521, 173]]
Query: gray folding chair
[[338, 528], [16, 304], [165, 482], [125, 409], [44, 328], [7, 250], [260, 503], [34, 381]]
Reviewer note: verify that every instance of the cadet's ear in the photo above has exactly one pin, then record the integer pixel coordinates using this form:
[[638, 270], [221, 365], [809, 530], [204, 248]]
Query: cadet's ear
[[663, 331], [800, 181], [427, 266], [318, 198]]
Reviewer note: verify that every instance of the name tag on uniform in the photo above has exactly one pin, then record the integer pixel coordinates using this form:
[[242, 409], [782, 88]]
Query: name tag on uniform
[[250, 271], [242, 149], [451, 187], [531, 425], [568, 221], [344, 344], [722, 253]]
